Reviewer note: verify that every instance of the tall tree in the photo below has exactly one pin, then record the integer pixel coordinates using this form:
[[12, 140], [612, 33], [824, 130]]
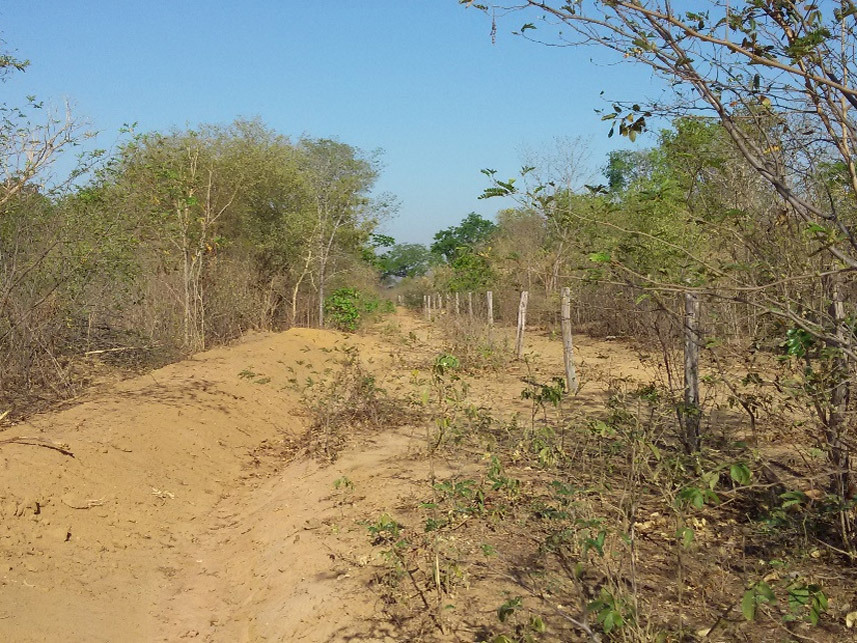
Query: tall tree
[[181, 185], [405, 260], [452, 241], [340, 179]]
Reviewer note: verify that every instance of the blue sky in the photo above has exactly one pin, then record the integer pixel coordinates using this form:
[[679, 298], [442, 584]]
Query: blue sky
[[420, 79]]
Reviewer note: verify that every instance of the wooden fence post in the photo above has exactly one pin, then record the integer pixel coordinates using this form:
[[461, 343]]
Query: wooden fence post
[[457, 305], [567, 343], [691, 411], [470, 305], [522, 323], [489, 298]]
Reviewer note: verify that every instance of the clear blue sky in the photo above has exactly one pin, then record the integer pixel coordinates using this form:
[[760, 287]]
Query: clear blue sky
[[420, 79]]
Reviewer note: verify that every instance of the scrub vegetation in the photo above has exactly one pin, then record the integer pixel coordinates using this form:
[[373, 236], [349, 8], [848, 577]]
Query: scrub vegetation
[[621, 507]]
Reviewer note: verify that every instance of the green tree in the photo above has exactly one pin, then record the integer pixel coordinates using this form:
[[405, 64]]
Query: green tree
[[405, 260], [274, 219], [452, 241], [182, 186], [626, 167], [339, 178]]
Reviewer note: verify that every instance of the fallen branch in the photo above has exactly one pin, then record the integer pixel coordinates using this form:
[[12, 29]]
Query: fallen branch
[[38, 442], [117, 350]]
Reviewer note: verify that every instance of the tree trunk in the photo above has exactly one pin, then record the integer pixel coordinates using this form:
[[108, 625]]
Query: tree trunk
[[690, 413], [322, 267], [836, 425]]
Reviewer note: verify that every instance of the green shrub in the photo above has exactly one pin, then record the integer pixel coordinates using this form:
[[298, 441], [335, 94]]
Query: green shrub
[[347, 308]]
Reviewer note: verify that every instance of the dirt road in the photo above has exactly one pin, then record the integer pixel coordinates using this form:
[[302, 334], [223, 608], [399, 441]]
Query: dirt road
[[184, 514]]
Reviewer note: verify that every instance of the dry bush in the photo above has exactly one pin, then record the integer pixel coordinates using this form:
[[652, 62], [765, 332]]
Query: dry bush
[[346, 403], [233, 302], [474, 343]]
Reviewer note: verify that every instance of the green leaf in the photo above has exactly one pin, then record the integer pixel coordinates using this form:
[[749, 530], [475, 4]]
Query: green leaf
[[685, 534], [537, 624], [508, 608], [765, 593], [502, 638], [609, 621], [740, 473], [792, 498], [748, 604], [655, 451]]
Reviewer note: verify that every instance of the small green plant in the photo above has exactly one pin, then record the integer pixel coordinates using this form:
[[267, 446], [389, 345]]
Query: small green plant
[[449, 393], [526, 629], [346, 308], [342, 309], [508, 608], [612, 613], [488, 550], [511, 487], [758, 594], [465, 496], [804, 602], [343, 483], [385, 531], [445, 364], [544, 394]]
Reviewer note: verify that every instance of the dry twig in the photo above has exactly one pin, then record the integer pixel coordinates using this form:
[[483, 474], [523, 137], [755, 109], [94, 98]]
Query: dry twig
[[38, 442]]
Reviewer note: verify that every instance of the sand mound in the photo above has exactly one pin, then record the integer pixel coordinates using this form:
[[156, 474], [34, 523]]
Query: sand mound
[[92, 544]]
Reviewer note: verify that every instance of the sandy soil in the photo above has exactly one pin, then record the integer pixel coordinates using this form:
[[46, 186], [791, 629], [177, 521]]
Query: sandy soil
[[184, 512]]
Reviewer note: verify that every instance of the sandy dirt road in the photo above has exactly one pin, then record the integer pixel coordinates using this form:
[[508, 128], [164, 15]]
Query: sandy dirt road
[[184, 513]]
